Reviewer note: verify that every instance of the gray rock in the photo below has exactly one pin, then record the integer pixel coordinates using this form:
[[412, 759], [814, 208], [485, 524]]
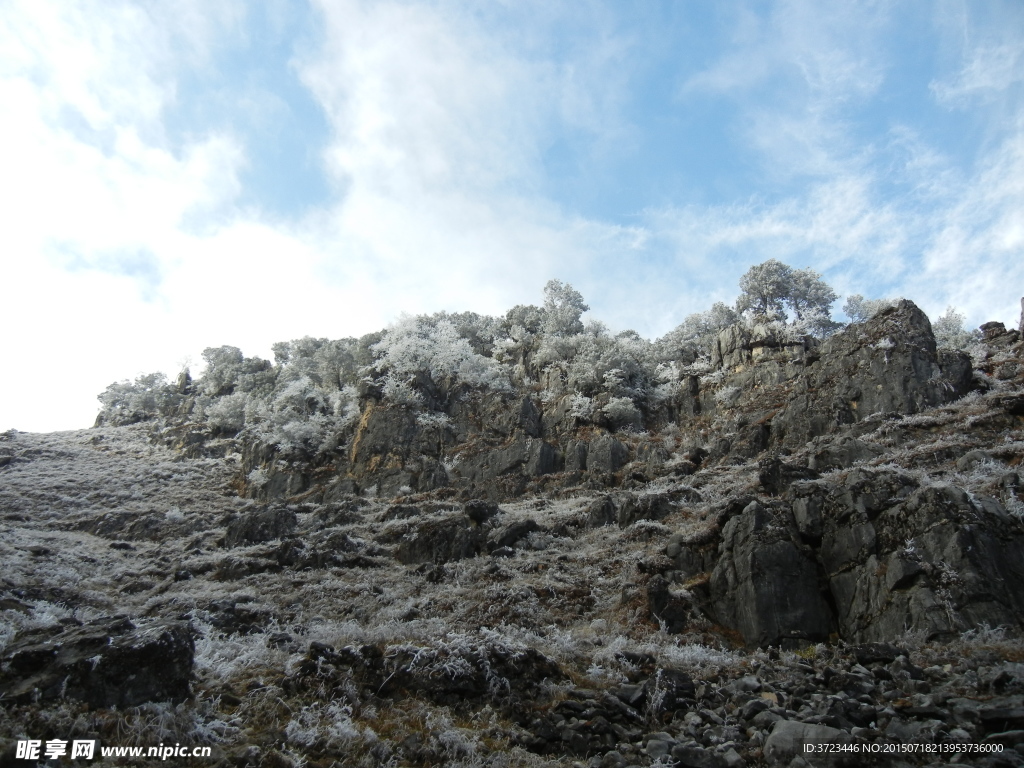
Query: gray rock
[[659, 746], [669, 689], [601, 511], [808, 502], [776, 475], [510, 534], [841, 452], [259, 526], [687, 756], [670, 609], [888, 364], [480, 510], [788, 738], [606, 454], [843, 545], [764, 586], [632, 507], [575, 456], [441, 541], [105, 663], [971, 459]]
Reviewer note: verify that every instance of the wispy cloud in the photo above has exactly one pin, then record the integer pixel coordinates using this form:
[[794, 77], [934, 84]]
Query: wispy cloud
[[990, 69]]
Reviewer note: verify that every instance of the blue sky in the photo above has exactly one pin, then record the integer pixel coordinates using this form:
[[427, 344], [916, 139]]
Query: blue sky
[[188, 174]]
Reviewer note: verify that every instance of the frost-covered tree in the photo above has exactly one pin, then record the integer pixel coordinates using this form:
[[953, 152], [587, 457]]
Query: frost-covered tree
[[128, 402], [227, 369], [771, 288], [859, 309], [417, 346], [563, 306], [950, 332], [696, 334], [623, 414], [480, 331], [765, 288], [328, 363], [301, 417], [809, 295]]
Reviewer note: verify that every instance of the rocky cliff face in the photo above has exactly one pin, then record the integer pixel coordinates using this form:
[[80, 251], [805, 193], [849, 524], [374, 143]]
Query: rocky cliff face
[[766, 393], [805, 540]]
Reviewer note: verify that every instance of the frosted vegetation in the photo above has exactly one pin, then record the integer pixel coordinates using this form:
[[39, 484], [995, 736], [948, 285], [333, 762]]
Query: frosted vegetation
[[304, 404]]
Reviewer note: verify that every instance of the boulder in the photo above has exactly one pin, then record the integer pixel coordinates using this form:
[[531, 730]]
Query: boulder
[[924, 563], [441, 541], [105, 663], [606, 454], [259, 526], [775, 475], [480, 510], [633, 507], [788, 737], [889, 364], [764, 586], [510, 534]]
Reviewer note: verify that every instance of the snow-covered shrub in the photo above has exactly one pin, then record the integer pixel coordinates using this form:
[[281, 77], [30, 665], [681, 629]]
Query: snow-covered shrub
[[623, 414], [227, 413], [727, 396], [421, 345], [128, 402], [433, 419], [302, 417], [859, 309], [695, 336], [563, 306], [950, 332], [227, 370], [772, 287], [581, 408], [400, 391]]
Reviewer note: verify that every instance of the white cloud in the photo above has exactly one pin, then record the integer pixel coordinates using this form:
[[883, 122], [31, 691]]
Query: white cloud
[[988, 71]]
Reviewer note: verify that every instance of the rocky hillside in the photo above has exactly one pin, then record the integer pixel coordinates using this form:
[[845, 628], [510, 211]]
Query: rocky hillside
[[467, 543]]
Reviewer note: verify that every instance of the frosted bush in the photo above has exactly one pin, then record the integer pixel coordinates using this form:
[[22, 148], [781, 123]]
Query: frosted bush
[[125, 402], [559, 349], [1015, 507], [727, 396], [302, 416], [622, 413], [227, 413], [950, 332], [415, 345], [329, 725], [433, 419], [258, 478], [581, 408], [859, 309]]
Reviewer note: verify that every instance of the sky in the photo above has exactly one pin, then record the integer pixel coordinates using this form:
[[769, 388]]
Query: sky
[[180, 175]]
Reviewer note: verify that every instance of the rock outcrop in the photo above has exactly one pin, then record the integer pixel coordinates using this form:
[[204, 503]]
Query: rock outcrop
[[105, 663], [869, 556], [776, 393]]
